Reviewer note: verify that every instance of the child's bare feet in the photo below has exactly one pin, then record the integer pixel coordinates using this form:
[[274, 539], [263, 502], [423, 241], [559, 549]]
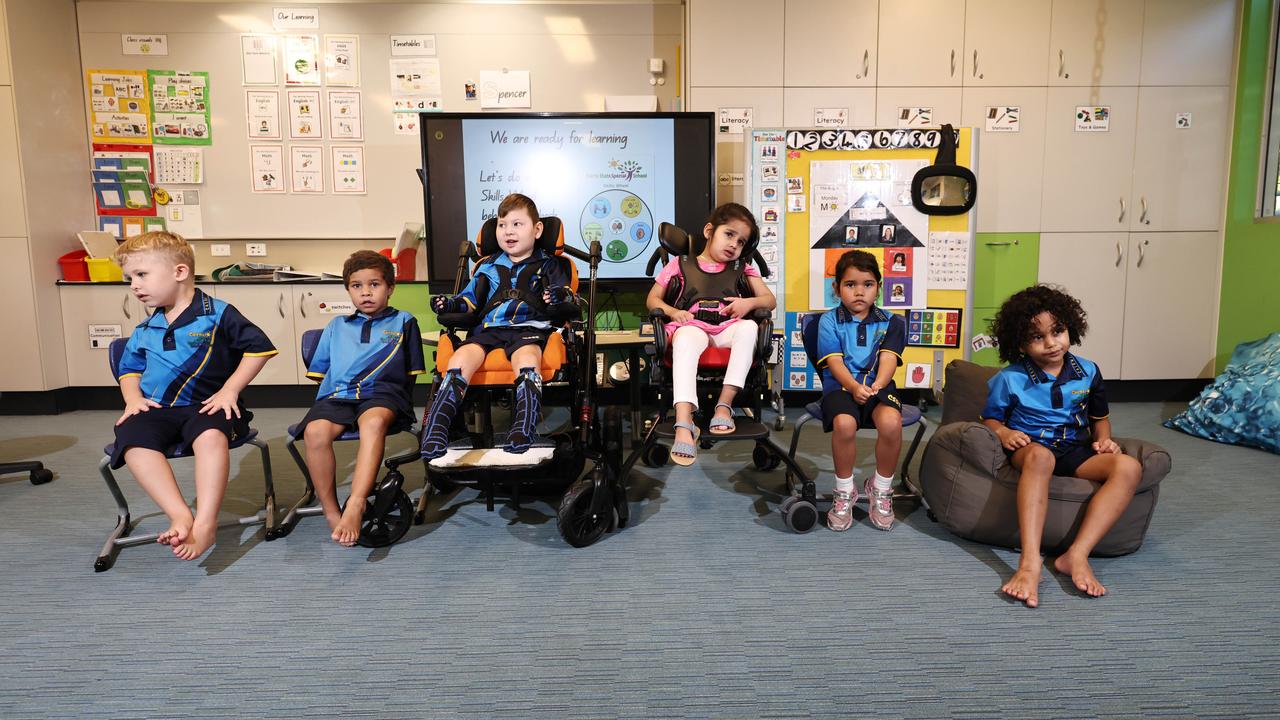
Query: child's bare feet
[[200, 539], [177, 533], [333, 517], [347, 530], [1024, 585], [1081, 574]]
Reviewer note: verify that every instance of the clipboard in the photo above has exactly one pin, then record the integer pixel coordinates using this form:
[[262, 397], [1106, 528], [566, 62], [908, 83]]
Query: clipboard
[[99, 244]]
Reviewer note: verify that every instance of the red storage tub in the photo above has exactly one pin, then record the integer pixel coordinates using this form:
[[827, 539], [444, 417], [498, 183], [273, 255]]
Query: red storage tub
[[73, 266]]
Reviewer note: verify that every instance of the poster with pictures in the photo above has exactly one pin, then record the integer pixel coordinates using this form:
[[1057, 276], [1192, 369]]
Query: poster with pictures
[[345, 121], [915, 117], [934, 327], [180, 107], [259, 59], [306, 169], [119, 109], [1093, 119], [799, 373], [342, 60], [1003, 118], [304, 114], [301, 60], [266, 163], [415, 84], [262, 108], [348, 169]]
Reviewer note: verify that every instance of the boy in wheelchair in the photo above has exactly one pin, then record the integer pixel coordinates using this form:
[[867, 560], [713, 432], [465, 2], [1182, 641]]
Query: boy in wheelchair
[[519, 297], [365, 363]]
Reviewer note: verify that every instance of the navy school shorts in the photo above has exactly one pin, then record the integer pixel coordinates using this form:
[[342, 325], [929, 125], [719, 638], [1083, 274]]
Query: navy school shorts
[[841, 402], [162, 429], [346, 412], [510, 339]]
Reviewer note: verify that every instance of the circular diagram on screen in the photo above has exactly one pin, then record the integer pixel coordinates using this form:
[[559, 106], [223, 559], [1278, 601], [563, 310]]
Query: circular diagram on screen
[[621, 221]]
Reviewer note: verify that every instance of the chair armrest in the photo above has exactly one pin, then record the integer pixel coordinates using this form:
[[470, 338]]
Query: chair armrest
[[466, 320], [764, 336], [1156, 461]]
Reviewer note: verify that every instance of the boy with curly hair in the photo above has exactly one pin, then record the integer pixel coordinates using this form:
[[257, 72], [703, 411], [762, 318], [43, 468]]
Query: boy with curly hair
[[1049, 410]]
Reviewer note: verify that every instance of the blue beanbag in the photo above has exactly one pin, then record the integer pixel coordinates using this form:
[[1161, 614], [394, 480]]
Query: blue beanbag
[[1242, 406]]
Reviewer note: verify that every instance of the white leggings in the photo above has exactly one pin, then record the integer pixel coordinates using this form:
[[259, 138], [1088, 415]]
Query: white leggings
[[687, 344]]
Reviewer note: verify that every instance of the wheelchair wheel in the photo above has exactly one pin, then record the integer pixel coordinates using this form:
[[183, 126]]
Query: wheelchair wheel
[[376, 532], [800, 516], [656, 456], [764, 459], [577, 524]]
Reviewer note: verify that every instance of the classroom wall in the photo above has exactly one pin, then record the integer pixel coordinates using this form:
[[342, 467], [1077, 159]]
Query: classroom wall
[[46, 182], [1250, 300]]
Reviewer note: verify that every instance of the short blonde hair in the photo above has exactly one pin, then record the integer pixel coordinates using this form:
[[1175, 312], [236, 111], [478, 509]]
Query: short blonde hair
[[171, 245]]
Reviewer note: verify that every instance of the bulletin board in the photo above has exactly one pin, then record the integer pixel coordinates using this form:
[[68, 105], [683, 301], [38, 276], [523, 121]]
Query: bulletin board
[[337, 201], [818, 193]]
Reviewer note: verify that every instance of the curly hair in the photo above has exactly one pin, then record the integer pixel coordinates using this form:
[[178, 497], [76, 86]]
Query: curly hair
[[368, 260], [1012, 326]]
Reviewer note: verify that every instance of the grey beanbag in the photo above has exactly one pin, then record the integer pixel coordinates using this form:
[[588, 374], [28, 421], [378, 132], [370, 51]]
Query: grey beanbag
[[972, 489]]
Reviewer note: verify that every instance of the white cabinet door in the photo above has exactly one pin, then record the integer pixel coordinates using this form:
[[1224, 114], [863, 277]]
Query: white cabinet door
[[917, 106], [1188, 42], [735, 42], [314, 306], [830, 43], [1171, 305], [799, 104], [1095, 42], [13, 212], [1091, 267], [1180, 163], [921, 43], [766, 112], [1004, 42], [82, 306], [1010, 164], [1087, 175], [270, 307]]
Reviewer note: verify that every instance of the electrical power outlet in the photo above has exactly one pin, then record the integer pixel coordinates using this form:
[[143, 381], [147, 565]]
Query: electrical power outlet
[[255, 249], [220, 250]]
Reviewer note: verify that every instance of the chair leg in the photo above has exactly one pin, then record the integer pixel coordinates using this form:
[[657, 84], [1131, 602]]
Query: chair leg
[[915, 491], [268, 486], [291, 518], [107, 557]]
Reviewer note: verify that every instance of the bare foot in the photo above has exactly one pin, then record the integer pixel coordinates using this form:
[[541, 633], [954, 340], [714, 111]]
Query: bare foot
[[200, 540], [1081, 574], [347, 530], [177, 533], [1024, 586], [333, 517]]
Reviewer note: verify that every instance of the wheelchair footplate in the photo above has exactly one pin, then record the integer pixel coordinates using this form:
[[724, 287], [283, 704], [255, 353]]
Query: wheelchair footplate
[[462, 456], [744, 429]]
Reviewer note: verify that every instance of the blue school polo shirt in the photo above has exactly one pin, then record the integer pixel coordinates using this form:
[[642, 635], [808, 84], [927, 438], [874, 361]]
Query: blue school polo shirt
[[858, 342], [186, 362], [1055, 412], [547, 272], [359, 355]]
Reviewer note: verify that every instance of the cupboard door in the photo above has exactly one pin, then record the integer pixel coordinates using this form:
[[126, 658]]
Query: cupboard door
[[1188, 42], [830, 43], [82, 306], [735, 42], [270, 307], [1088, 174], [1180, 162], [1003, 264], [313, 307], [1095, 42], [799, 103], [921, 43], [1010, 164], [900, 107], [1171, 301], [1004, 42], [1091, 267]]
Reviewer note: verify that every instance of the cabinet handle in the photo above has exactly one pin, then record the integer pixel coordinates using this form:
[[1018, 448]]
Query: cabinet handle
[[1062, 62], [975, 63], [302, 304], [280, 305], [1119, 253], [1141, 254], [125, 307], [1143, 217], [1001, 243], [953, 62], [1121, 218], [866, 63]]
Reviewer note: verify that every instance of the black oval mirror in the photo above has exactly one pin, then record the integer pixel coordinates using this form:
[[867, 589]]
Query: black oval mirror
[[944, 188]]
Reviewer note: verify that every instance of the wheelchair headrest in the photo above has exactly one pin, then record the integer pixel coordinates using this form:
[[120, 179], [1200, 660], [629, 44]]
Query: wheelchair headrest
[[551, 240], [676, 242], [809, 335], [115, 351], [310, 341]]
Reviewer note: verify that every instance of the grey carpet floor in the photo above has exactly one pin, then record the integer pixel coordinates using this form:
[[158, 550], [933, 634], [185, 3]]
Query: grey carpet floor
[[705, 607]]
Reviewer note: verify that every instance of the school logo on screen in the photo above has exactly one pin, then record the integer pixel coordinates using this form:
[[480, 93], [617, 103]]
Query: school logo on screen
[[625, 170]]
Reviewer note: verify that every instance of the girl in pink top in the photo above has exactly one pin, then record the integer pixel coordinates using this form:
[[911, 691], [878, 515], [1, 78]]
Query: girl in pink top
[[727, 232]]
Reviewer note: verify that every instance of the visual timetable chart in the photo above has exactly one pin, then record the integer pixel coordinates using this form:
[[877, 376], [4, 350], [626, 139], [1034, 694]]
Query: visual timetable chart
[[934, 327]]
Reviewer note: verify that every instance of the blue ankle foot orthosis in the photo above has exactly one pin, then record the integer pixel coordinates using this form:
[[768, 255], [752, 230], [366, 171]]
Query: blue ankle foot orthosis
[[524, 421], [439, 417]]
